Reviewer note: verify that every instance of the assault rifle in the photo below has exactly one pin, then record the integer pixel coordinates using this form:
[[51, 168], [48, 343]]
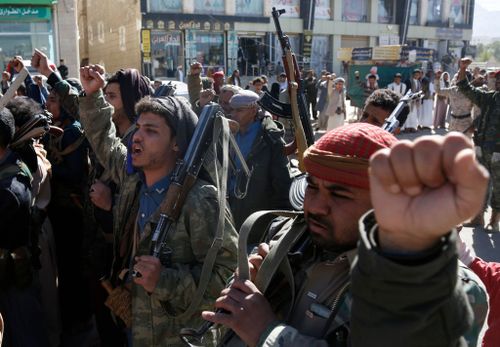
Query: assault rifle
[[297, 109], [398, 117], [183, 179]]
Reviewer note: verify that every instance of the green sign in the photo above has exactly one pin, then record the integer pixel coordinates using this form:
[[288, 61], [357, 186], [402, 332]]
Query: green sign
[[13, 13], [28, 2]]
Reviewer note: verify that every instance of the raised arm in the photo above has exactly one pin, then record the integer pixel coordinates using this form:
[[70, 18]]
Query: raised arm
[[96, 120]]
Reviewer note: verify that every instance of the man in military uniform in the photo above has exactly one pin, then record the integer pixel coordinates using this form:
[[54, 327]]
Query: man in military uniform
[[406, 265], [486, 137], [163, 293]]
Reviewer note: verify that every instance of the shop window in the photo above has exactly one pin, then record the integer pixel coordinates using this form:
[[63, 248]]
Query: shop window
[[321, 56], [23, 44], [172, 6], [322, 9], [250, 7], [386, 11], [291, 7], [355, 10], [209, 6], [166, 52], [206, 48], [252, 57], [278, 53]]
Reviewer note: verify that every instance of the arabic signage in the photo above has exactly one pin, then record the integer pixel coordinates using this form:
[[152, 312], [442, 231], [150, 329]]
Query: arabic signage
[[362, 54], [386, 53], [449, 33], [23, 13]]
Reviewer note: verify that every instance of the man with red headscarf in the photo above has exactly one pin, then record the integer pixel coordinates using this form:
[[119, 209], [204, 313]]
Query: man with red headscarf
[[403, 290]]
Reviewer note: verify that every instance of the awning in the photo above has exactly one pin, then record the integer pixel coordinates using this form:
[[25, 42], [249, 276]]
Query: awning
[[28, 2]]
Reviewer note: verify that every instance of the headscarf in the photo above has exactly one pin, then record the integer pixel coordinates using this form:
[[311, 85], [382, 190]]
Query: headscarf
[[342, 155], [181, 120], [133, 87]]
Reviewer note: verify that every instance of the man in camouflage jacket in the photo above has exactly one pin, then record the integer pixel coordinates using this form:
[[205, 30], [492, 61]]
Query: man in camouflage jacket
[[486, 137], [161, 293], [403, 289]]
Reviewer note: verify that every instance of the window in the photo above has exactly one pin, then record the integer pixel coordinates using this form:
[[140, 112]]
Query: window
[[249, 7], [434, 12], [320, 57], [414, 12], [165, 6], [166, 52], [291, 7], [355, 10], [386, 11], [459, 11], [209, 6], [322, 9]]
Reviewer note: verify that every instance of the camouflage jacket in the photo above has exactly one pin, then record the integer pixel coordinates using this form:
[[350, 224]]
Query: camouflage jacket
[[440, 315], [154, 321], [459, 105], [487, 134]]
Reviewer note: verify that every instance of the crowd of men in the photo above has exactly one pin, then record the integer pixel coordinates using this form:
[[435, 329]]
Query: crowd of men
[[86, 166]]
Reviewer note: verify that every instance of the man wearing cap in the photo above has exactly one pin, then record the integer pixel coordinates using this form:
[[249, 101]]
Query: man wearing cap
[[163, 292], [397, 86], [260, 140], [406, 269], [226, 93], [486, 138]]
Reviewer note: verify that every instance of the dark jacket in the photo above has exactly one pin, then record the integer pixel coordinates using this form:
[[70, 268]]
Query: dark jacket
[[270, 180], [15, 202]]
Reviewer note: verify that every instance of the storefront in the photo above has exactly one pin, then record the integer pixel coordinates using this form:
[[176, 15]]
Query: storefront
[[25, 26]]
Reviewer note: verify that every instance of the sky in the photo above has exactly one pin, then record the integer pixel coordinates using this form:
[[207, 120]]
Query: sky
[[486, 22], [490, 5]]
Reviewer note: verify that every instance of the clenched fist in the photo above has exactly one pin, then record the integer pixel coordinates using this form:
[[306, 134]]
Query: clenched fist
[[421, 190], [92, 78]]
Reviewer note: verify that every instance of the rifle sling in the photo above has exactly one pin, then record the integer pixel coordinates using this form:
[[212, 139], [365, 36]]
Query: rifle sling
[[221, 128]]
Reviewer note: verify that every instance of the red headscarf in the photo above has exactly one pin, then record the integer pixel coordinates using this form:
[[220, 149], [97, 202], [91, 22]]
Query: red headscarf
[[342, 155]]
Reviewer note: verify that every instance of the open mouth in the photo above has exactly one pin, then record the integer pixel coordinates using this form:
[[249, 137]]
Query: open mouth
[[136, 150]]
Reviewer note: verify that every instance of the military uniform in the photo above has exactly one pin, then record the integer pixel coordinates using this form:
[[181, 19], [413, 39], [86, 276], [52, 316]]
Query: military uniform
[[154, 315], [334, 307], [487, 134], [460, 106]]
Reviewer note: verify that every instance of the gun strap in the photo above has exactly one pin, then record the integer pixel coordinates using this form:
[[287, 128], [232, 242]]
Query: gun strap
[[221, 128], [248, 226]]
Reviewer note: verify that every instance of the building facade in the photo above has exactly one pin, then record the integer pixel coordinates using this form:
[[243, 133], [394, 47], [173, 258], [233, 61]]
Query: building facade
[[43, 24], [158, 36]]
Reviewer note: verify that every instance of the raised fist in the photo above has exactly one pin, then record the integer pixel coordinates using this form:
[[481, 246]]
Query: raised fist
[[40, 62], [92, 78], [421, 190]]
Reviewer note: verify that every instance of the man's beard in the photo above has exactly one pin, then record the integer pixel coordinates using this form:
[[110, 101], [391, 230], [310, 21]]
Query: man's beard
[[328, 244]]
